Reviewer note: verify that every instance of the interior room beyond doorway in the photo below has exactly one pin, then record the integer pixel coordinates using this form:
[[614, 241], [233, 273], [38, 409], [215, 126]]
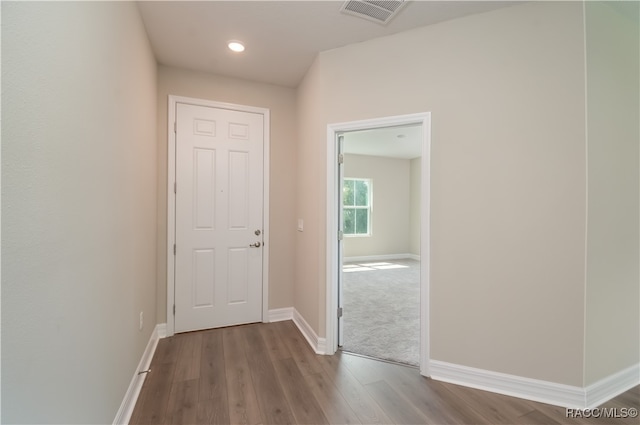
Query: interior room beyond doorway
[[380, 279]]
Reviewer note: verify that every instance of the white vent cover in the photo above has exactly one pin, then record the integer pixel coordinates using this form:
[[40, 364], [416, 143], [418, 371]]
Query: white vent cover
[[376, 11]]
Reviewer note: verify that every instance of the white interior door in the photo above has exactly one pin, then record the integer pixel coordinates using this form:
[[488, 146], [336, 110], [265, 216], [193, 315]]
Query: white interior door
[[219, 217]]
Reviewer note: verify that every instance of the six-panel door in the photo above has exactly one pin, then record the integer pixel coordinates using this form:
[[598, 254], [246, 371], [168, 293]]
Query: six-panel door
[[219, 198]]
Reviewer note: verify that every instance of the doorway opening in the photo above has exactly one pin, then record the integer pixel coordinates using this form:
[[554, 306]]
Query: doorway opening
[[378, 238], [379, 284]]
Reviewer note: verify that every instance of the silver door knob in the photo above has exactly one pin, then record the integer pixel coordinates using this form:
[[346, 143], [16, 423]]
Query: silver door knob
[[255, 245]]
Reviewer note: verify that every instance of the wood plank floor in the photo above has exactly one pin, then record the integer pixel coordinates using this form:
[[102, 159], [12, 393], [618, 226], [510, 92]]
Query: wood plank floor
[[267, 374]]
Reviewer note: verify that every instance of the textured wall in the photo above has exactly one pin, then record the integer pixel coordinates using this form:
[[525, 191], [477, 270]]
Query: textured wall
[[506, 94], [281, 103], [78, 208], [309, 291], [613, 137], [391, 205], [415, 213]]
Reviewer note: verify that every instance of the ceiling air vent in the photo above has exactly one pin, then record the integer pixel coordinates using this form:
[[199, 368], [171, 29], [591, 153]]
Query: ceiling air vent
[[376, 11]]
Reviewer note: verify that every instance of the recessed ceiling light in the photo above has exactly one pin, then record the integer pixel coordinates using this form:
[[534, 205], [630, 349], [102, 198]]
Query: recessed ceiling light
[[236, 46]]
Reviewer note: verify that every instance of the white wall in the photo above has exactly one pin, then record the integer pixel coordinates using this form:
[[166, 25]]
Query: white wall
[[613, 249], [506, 93], [78, 208], [281, 103], [390, 179]]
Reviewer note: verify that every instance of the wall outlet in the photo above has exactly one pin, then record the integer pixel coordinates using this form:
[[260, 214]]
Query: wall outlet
[[141, 320]]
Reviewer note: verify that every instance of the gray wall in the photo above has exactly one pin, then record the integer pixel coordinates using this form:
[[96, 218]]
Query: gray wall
[[508, 165], [283, 167], [534, 203], [613, 114], [78, 208], [390, 179], [414, 208]]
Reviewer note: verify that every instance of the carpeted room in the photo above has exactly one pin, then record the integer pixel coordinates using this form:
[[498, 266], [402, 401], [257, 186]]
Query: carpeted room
[[381, 247]]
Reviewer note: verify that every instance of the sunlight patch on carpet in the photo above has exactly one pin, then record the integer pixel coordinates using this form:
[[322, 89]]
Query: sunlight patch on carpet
[[381, 310]]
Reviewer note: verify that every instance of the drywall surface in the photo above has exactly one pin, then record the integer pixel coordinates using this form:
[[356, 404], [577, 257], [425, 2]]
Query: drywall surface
[[414, 208], [309, 293], [78, 208], [283, 167], [390, 205], [613, 135], [506, 94]]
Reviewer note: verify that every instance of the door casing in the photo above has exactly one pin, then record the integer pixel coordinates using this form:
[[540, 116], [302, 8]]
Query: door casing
[[171, 199], [332, 249]]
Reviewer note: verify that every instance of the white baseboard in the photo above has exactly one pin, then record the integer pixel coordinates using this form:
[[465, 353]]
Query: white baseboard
[[161, 330], [318, 345], [516, 386], [131, 397], [536, 390], [385, 257], [511, 385], [611, 386], [280, 314]]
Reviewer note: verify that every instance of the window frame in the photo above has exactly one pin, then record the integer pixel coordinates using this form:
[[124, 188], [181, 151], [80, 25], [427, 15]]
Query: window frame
[[368, 207]]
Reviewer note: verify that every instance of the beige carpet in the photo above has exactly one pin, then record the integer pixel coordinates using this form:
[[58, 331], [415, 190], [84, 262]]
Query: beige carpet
[[381, 309]]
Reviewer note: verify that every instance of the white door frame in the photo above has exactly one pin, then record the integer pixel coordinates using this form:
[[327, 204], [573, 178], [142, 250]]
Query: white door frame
[[332, 260], [171, 199]]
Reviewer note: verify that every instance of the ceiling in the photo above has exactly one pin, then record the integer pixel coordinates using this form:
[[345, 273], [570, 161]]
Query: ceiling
[[282, 38], [403, 142]]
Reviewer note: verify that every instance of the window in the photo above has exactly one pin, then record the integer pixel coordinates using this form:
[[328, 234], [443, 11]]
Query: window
[[356, 202]]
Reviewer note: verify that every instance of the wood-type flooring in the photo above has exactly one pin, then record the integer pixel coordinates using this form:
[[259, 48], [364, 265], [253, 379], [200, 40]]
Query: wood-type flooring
[[266, 373]]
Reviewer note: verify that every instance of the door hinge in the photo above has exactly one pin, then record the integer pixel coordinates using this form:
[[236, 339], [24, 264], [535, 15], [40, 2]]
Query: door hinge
[[174, 309], [341, 158], [175, 187], [340, 235], [175, 127], [339, 312], [174, 249]]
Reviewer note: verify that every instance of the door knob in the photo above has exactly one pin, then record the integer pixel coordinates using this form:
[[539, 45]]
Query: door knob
[[255, 245]]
